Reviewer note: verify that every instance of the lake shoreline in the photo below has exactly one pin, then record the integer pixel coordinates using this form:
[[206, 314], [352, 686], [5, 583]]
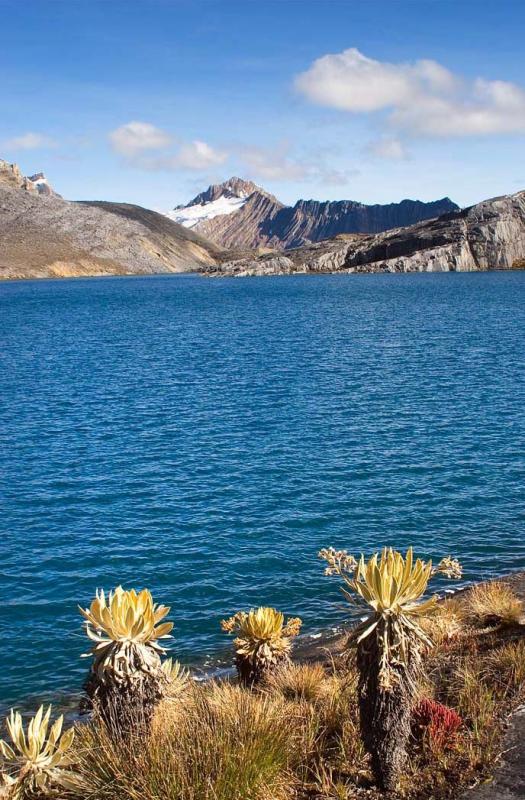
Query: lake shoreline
[[323, 647], [291, 274]]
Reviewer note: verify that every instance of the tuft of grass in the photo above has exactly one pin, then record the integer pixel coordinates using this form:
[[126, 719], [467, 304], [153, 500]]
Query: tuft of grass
[[492, 603], [475, 700], [223, 744], [444, 625], [504, 669], [298, 681]]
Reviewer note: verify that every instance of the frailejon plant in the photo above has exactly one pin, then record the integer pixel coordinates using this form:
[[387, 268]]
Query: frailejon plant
[[263, 642], [390, 643], [126, 680], [36, 763], [178, 678]]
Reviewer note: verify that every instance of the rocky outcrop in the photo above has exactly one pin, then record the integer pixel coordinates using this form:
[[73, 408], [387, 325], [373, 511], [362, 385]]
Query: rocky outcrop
[[489, 235], [240, 214], [246, 227], [42, 235], [10, 175], [327, 256], [313, 221], [234, 187], [42, 185]]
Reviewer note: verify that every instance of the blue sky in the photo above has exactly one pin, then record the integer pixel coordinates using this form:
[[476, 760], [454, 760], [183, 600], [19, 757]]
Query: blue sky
[[148, 101]]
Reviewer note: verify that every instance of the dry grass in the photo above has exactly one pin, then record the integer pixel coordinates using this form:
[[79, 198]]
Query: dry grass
[[298, 681], [297, 738], [445, 624], [493, 603], [222, 743]]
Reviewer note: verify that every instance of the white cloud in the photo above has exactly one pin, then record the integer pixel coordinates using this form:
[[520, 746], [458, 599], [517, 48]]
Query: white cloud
[[423, 98], [278, 164], [134, 138], [387, 147], [136, 141], [336, 177], [273, 163], [199, 155], [195, 156], [28, 141]]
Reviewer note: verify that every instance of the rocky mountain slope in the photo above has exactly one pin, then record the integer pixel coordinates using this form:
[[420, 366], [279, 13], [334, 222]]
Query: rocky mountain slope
[[42, 235], [489, 235], [238, 213], [233, 214]]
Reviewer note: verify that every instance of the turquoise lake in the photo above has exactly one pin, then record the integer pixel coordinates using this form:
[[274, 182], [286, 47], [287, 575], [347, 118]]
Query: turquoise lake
[[205, 438]]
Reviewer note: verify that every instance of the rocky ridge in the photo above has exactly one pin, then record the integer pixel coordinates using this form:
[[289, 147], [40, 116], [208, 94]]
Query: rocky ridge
[[240, 214], [234, 187], [488, 235]]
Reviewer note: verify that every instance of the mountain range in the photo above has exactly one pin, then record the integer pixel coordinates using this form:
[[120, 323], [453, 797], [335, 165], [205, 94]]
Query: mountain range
[[43, 235], [489, 235], [239, 213]]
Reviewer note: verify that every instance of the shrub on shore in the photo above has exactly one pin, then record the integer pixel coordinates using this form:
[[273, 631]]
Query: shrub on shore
[[36, 762], [390, 645], [263, 642], [126, 679], [436, 724], [218, 741]]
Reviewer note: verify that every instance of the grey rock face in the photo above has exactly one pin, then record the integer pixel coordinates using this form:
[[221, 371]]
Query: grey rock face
[[45, 236], [10, 175], [246, 267], [489, 235], [313, 221]]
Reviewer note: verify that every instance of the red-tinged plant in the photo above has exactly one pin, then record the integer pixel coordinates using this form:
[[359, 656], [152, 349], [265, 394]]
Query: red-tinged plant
[[436, 721]]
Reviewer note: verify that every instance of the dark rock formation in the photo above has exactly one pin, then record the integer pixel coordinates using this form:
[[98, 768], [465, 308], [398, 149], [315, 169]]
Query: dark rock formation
[[312, 221], [489, 235]]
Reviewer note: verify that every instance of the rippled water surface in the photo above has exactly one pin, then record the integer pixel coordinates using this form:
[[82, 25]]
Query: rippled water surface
[[205, 438]]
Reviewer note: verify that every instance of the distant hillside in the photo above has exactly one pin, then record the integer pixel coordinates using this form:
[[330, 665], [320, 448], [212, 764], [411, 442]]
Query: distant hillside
[[488, 235], [42, 235], [238, 213]]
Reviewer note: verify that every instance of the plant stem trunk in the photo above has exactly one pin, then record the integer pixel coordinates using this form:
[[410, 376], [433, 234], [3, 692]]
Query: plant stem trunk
[[385, 716]]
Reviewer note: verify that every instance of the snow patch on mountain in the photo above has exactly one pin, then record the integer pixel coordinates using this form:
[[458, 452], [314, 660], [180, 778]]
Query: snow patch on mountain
[[41, 184], [190, 216]]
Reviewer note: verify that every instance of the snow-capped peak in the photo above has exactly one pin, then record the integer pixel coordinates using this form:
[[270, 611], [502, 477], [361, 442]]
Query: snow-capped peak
[[41, 183], [218, 199], [189, 216]]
